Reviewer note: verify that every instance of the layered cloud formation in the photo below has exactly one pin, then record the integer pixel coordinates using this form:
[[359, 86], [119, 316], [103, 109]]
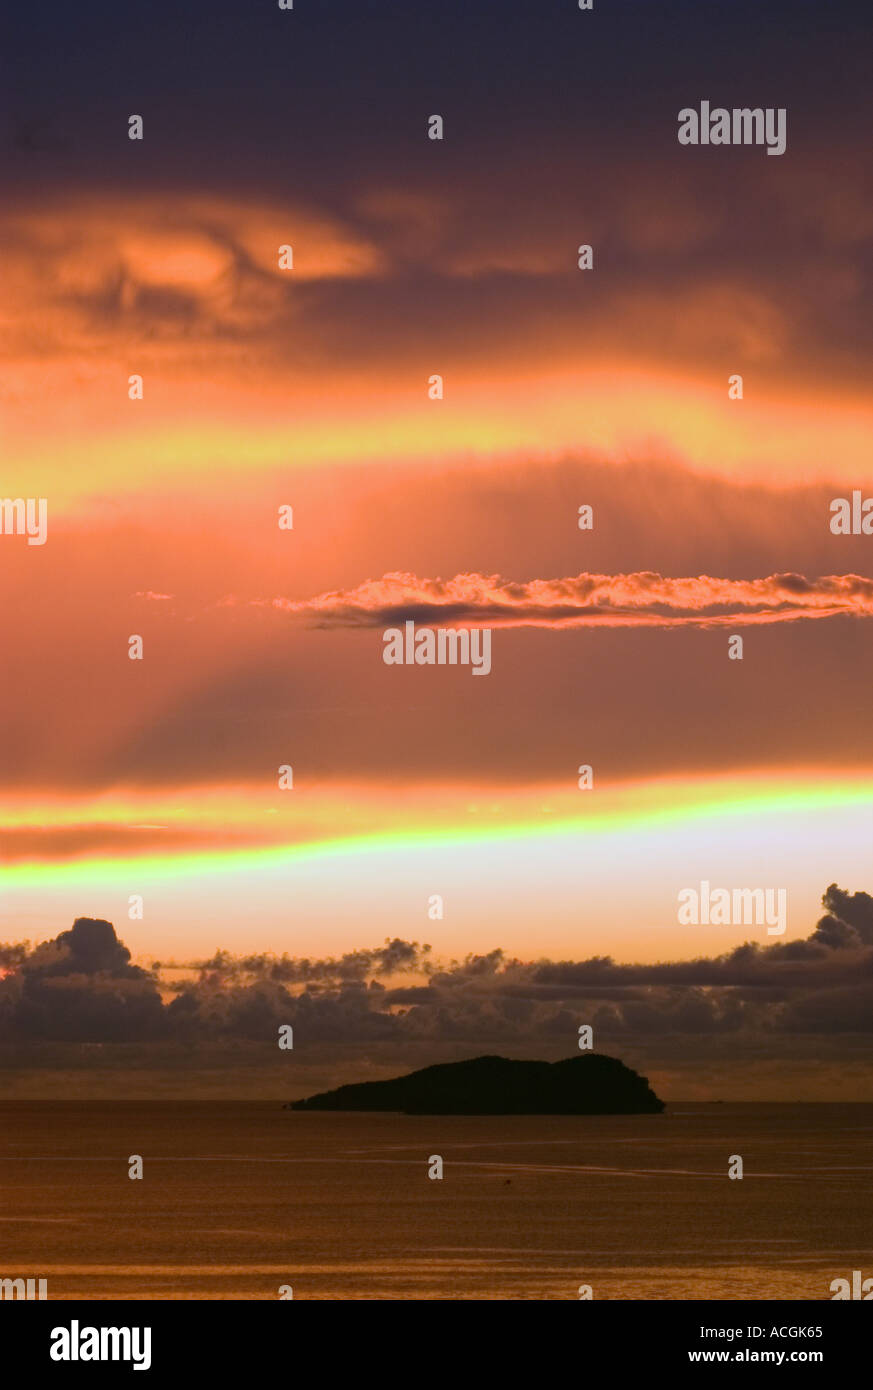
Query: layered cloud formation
[[307, 387], [81, 987]]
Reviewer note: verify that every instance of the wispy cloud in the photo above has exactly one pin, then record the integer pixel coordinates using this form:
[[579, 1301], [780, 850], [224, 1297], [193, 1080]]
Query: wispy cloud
[[642, 599]]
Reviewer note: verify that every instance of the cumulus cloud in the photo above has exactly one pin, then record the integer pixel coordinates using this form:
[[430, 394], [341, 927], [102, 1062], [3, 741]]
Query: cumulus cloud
[[394, 957], [82, 986], [78, 987], [643, 599]]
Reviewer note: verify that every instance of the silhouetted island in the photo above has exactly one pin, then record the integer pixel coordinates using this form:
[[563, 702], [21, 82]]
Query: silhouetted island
[[586, 1085]]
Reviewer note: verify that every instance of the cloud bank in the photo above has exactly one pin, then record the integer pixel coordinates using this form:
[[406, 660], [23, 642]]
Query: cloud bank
[[82, 987]]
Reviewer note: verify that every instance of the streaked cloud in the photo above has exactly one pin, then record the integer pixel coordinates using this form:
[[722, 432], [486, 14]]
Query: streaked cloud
[[644, 599]]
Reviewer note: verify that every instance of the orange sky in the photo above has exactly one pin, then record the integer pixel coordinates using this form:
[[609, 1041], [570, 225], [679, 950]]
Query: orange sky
[[308, 387], [268, 385], [163, 522]]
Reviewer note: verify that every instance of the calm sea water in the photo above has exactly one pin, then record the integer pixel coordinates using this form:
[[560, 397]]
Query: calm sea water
[[238, 1199]]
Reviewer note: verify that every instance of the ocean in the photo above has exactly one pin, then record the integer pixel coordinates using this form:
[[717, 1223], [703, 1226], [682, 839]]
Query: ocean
[[239, 1200]]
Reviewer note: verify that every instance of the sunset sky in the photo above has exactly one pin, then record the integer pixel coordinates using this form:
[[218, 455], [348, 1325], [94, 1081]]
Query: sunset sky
[[308, 388]]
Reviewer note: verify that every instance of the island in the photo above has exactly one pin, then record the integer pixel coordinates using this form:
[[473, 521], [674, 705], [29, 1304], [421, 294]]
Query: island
[[591, 1084]]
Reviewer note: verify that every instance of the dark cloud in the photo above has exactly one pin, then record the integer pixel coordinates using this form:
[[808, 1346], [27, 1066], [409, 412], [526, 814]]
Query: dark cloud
[[699, 252], [13, 954], [224, 969], [90, 947], [81, 986], [848, 1010], [849, 920]]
